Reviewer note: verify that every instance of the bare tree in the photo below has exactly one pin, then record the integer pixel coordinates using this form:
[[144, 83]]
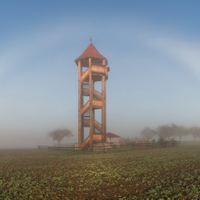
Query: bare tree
[[194, 131], [173, 130], [165, 132], [148, 133], [180, 131], [59, 134]]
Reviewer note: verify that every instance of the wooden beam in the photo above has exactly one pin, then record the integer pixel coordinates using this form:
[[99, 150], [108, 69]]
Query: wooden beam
[[104, 62], [91, 87], [103, 113], [103, 91], [80, 104], [85, 75]]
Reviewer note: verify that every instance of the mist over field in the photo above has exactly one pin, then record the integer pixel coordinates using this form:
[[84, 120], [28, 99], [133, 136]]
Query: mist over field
[[152, 50]]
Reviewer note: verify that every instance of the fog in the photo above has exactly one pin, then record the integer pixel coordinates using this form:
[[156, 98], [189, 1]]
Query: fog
[[154, 62], [29, 139]]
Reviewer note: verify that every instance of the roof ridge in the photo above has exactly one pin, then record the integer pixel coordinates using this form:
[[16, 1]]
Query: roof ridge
[[90, 51]]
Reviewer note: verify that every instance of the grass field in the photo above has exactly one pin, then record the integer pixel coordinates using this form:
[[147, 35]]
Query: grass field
[[167, 173]]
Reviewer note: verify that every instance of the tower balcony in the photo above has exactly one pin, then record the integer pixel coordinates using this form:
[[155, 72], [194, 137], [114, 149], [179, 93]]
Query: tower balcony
[[97, 72]]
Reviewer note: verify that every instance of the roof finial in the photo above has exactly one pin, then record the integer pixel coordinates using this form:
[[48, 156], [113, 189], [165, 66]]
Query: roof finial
[[90, 39]]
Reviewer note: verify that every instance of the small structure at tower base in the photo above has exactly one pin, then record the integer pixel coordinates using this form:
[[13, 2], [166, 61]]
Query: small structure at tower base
[[110, 136], [103, 146]]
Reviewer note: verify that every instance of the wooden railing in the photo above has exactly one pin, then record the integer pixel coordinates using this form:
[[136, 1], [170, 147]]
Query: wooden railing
[[148, 145], [108, 146], [99, 69]]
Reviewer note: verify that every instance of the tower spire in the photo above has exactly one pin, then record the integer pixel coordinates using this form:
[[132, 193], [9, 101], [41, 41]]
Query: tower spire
[[90, 39]]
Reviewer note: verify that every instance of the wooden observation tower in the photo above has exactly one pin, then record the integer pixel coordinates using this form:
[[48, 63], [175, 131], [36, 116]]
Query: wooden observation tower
[[92, 69]]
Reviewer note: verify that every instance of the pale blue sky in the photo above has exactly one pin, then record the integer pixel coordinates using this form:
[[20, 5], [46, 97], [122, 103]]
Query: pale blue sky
[[152, 48]]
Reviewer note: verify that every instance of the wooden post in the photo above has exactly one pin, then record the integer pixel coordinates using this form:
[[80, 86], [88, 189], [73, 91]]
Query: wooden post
[[103, 119], [80, 104], [91, 86], [117, 142], [103, 91]]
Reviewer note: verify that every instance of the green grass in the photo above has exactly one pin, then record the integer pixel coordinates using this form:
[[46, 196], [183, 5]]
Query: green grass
[[172, 173]]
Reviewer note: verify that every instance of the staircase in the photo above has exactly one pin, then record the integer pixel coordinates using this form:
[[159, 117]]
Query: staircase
[[85, 111], [97, 125], [86, 91]]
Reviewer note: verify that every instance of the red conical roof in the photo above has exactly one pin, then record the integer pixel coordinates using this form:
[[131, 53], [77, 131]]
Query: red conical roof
[[90, 52]]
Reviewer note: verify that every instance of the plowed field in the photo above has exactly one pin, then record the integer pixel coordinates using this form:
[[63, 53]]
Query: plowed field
[[168, 173]]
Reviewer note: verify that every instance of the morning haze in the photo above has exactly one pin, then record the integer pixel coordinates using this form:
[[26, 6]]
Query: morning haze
[[152, 50]]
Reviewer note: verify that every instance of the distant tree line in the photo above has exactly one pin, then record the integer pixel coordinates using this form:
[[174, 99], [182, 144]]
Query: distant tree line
[[168, 132], [164, 133]]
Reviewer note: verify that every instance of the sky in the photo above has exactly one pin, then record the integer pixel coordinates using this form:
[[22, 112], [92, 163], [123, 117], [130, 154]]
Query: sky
[[152, 48]]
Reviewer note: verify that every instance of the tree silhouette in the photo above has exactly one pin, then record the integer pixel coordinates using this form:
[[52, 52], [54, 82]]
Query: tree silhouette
[[194, 131], [59, 134], [148, 133]]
